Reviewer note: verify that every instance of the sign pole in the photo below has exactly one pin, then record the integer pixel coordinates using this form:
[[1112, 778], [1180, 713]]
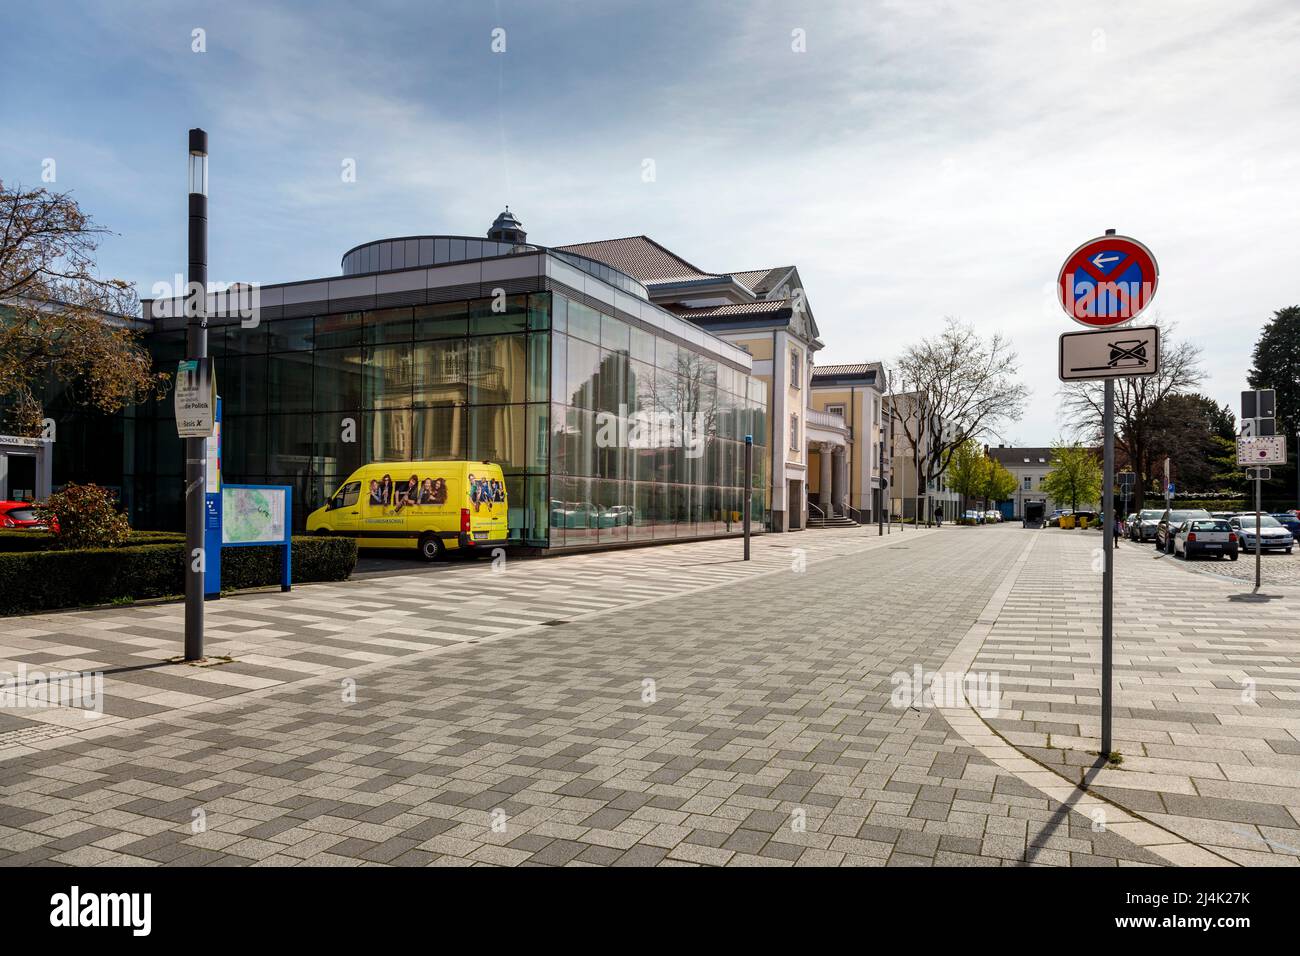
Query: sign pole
[[1108, 568], [196, 342], [1258, 530], [1104, 284], [749, 487]]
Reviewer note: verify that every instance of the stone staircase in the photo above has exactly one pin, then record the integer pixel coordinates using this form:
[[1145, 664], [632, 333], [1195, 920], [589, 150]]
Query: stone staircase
[[818, 520]]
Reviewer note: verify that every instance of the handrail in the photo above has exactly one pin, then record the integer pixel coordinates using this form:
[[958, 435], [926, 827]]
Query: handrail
[[813, 507]]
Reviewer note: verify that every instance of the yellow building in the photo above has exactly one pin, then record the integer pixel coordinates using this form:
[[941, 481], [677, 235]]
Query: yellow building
[[847, 437]]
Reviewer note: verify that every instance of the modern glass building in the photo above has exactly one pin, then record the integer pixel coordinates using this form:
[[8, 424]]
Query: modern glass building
[[614, 420]]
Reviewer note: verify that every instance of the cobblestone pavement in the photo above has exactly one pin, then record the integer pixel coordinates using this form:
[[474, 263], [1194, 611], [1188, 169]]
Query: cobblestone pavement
[[329, 630], [1207, 699], [731, 715]]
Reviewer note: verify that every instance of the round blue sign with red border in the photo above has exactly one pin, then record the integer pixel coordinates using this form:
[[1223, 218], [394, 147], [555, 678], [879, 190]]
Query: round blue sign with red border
[[1107, 281]]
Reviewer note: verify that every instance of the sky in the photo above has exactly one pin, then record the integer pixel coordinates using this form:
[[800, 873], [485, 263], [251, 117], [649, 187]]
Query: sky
[[916, 159]]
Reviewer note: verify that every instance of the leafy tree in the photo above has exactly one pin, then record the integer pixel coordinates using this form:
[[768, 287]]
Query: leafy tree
[[954, 387], [966, 474], [1136, 401], [58, 319], [999, 484], [1075, 475], [1193, 430], [1276, 365]]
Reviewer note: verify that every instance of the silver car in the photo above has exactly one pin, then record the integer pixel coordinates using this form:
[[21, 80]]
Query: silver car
[[1273, 535]]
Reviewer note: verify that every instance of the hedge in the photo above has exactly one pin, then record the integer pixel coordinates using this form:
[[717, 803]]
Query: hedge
[[49, 580], [12, 539]]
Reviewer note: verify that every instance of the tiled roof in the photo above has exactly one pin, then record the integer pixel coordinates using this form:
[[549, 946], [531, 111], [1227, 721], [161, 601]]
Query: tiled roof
[[640, 257], [1017, 456], [760, 281], [860, 368], [736, 308]]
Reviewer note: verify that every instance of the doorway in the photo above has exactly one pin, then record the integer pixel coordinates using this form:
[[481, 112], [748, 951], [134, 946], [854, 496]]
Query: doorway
[[18, 477]]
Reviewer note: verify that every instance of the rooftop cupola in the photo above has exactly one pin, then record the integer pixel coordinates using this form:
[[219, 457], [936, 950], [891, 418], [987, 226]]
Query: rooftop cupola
[[507, 228]]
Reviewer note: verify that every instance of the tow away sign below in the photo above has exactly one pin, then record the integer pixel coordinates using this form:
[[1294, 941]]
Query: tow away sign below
[[1110, 353]]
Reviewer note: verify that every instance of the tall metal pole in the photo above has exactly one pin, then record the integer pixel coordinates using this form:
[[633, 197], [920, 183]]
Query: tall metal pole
[[1258, 530], [1108, 567], [749, 487], [196, 347], [916, 455]]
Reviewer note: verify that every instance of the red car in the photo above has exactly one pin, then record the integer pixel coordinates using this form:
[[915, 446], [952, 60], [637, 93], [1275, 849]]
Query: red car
[[22, 515]]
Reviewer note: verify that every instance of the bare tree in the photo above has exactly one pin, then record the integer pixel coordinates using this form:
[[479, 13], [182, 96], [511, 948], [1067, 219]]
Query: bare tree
[[1137, 405], [58, 319], [959, 387]]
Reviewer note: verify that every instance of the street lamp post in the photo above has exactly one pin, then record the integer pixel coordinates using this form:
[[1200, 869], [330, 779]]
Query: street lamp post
[[196, 348]]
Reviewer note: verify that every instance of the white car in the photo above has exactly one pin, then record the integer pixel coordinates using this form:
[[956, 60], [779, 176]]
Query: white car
[[992, 517], [1273, 535], [1210, 536]]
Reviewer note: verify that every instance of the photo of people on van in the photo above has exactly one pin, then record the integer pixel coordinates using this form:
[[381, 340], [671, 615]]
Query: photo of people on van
[[433, 491], [409, 493], [485, 491]]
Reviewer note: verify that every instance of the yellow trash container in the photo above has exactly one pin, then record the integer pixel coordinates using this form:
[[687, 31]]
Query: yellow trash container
[[1067, 521], [1083, 522]]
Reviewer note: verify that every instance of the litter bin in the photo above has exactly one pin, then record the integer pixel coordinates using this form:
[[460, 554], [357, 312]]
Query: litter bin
[[1067, 521], [1083, 522]]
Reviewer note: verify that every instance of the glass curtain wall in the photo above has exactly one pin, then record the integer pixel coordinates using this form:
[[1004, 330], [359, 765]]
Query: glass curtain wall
[[647, 438], [605, 433]]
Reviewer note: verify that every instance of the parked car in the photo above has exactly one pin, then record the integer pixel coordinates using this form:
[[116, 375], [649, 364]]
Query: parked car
[[1288, 520], [21, 515], [974, 517], [992, 517], [1210, 536], [1142, 526], [1171, 518], [1272, 535], [1054, 519]]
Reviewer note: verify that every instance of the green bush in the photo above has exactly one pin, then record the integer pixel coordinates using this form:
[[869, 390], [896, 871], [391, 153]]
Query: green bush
[[15, 540], [314, 559], [86, 516], [48, 580]]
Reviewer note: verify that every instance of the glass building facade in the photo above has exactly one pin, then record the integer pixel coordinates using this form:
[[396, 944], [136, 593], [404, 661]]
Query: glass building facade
[[607, 432]]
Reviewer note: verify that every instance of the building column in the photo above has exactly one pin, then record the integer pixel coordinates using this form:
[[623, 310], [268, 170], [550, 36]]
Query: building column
[[824, 488], [839, 471]]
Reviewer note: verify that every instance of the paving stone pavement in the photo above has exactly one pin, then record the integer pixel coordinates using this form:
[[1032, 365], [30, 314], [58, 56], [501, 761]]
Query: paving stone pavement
[[1207, 698], [735, 717], [330, 630]]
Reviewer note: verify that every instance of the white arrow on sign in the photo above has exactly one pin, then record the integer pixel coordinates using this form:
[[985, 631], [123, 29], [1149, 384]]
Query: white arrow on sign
[[1098, 259]]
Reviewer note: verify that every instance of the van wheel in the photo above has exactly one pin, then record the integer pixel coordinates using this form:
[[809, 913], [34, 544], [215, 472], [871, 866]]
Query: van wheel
[[431, 548]]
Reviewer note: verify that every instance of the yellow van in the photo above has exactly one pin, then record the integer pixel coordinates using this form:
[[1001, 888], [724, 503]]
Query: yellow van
[[433, 506]]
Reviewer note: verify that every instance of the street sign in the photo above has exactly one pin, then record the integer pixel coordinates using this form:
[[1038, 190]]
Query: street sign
[[1258, 427], [1261, 403], [1259, 474], [1170, 490], [1261, 450], [195, 398], [1126, 479], [1107, 281], [1110, 353]]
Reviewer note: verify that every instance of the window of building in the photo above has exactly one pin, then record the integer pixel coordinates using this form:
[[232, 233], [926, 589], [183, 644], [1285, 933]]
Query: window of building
[[794, 432], [835, 410], [1029, 481], [796, 376]]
